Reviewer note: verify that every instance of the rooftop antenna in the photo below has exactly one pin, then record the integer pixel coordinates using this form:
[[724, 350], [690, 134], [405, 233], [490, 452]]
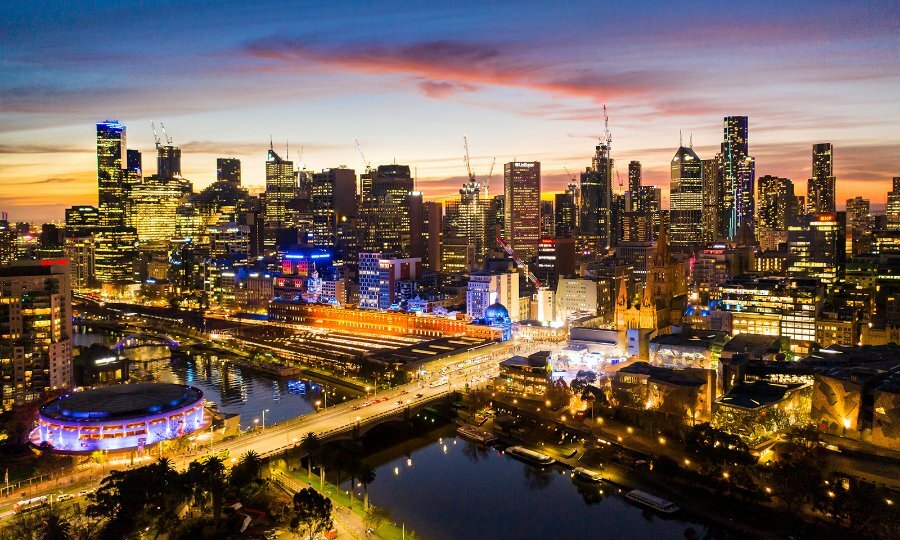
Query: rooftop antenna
[[287, 149], [680, 139], [271, 143], [166, 135], [415, 177], [691, 140]]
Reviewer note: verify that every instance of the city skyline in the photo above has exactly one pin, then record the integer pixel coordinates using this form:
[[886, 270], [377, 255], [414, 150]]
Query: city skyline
[[411, 98]]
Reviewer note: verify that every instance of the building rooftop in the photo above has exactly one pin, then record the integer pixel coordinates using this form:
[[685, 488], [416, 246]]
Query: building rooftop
[[680, 377], [121, 402], [756, 394]]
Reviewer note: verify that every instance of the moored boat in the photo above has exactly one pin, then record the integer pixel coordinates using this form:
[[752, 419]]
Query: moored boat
[[651, 501], [475, 435], [586, 474], [529, 456]]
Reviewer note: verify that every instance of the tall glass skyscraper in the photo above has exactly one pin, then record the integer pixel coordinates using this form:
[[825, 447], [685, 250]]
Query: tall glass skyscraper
[[111, 187], [820, 190], [686, 199], [522, 219], [738, 176], [596, 202]]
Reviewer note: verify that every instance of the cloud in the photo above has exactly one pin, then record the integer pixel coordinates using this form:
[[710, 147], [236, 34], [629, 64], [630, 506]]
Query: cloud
[[54, 181], [445, 66], [42, 149]]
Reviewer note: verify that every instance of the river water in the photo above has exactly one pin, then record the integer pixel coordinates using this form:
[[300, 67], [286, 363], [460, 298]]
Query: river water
[[233, 388], [452, 489]]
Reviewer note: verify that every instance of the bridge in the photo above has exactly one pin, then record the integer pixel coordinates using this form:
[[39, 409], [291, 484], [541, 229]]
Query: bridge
[[145, 339]]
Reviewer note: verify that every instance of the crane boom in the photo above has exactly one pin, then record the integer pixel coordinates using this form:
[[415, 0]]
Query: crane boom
[[509, 251], [466, 159], [487, 182], [363, 156], [155, 136], [165, 135]]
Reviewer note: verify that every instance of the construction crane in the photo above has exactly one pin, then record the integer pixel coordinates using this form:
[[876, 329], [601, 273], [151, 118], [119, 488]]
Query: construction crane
[[487, 182], [166, 135], [466, 159], [363, 156], [155, 136], [569, 174], [606, 131], [300, 158], [509, 251]]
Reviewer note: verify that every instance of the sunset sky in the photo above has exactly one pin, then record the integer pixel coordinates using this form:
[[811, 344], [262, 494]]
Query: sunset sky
[[522, 80]]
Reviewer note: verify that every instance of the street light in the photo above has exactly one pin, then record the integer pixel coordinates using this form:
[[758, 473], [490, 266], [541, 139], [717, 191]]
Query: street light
[[264, 418]]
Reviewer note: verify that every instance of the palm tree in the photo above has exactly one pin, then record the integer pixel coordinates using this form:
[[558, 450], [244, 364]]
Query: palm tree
[[215, 482], [55, 527], [366, 476], [251, 464], [310, 445]]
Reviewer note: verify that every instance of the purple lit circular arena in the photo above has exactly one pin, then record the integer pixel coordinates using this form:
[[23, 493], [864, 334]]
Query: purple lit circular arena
[[121, 417]]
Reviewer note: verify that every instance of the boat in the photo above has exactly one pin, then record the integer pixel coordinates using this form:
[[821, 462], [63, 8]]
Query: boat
[[475, 435], [651, 501], [529, 456], [587, 474]]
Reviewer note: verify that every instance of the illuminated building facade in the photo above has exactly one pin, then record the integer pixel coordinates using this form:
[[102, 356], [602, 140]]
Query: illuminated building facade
[[817, 245], [80, 252], [115, 253], [111, 187], [466, 219], [168, 161], [386, 210], [432, 227], [152, 206], [487, 288], [893, 206], [120, 417], [228, 170], [821, 187], [457, 255], [773, 306], [686, 199], [713, 218], [8, 245], [522, 207], [775, 209], [280, 188], [333, 199], [595, 224], [36, 327], [738, 177], [566, 212], [82, 220]]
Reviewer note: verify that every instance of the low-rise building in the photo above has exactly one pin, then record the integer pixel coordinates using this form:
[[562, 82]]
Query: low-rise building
[[527, 376]]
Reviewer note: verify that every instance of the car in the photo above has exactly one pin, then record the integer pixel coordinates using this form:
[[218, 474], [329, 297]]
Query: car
[[355, 408], [419, 395], [399, 402], [366, 404]]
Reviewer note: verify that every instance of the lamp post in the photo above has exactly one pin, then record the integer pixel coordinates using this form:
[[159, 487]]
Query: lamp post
[[264, 418]]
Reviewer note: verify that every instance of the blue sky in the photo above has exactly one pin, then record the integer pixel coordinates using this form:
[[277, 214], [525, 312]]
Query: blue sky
[[522, 80]]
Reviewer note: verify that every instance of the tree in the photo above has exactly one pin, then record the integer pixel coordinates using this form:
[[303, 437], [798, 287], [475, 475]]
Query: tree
[[366, 476], [795, 479], [246, 470], [55, 527], [715, 448], [376, 516], [312, 512], [558, 394], [310, 445]]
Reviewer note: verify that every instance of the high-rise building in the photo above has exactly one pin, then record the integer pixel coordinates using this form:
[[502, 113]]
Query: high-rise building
[[466, 218], [168, 161], [487, 288], [775, 209], [548, 220], [36, 321], [386, 210], [738, 175], [522, 209], [82, 220], [857, 212], [333, 200], [152, 206], [859, 226], [115, 252], [686, 199], [397, 279], [8, 245], [634, 182], [80, 252], [229, 170], [457, 255], [433, 217], [280, 186], [368, 280], [713, 222], [595, 225], [820, 189], [111, 187], [566, 211], [817, 244], [892, 211]]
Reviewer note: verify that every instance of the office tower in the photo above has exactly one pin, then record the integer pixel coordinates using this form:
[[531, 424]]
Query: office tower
[[36, 315], [8, 247], [566, 211], [738, 174], [799, 205], [280, 187], [368, 280], [488, 288], [773, 306], [634, 182], [595, 226], [892, 211], [80, 252], [386, 210], [466, 218], [820, 189], [333, 200], [817, 244], [433, 212], [859, 225], [522, 207], [457, 255], [686, 199], [111, 189], [545, 268], [713, 222], [229, 170], [168, 161], [116, 251], [548, 220], [134, 170], [152, 206], [775, 209], [82, 220], [416, 225]]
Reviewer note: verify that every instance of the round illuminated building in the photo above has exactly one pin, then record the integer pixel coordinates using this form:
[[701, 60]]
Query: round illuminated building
[[120, 417]]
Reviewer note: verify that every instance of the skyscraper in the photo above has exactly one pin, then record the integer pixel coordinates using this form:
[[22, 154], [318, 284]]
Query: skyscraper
[[522, 209], [386, 211], [280, 184], [466, 218], [168, 161], [817, 244], [595, 227], [686, 199], [775, 203], [111, 189], [229, 170], [433, 212], [333, 199], [738, 175], [634, 182], [566, 211], [820, 189], [893, 206], [713, 222], [152, 204]]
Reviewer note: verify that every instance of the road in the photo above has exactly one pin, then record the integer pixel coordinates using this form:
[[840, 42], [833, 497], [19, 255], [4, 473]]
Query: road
[[455, 371]]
